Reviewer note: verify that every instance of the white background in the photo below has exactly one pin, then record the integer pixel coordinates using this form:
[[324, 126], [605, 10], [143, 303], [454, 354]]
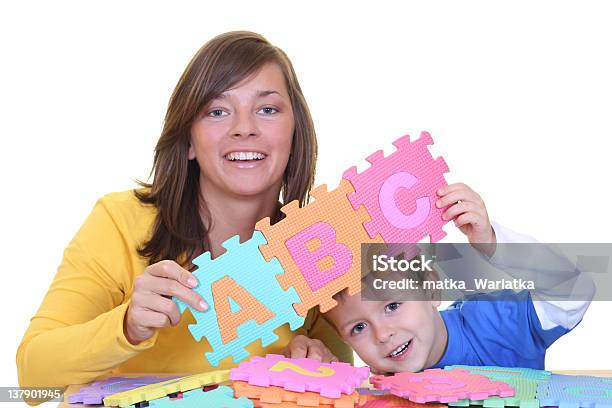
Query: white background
[[516, 96]]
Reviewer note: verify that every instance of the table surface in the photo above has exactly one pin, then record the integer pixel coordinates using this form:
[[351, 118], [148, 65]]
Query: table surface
[[75, 387]]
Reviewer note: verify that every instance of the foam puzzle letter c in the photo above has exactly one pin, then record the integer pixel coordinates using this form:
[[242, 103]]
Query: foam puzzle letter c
[[392, 212]]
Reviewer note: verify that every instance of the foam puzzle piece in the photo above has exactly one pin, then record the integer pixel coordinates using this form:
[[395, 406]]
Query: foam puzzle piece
[[525, 396], [441, 386], [392, 401], [319, 246], [399, 192], [160, 390], [221, 397], [240, 275], [523, 380], [371, 391], [275, 395], [505, 373], [95, 392], [285, 404], [300, 375], [568, 391]]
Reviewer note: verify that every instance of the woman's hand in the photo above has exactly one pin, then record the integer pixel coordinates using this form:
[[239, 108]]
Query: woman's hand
[[302, 346], [468, 211], [151, 306]]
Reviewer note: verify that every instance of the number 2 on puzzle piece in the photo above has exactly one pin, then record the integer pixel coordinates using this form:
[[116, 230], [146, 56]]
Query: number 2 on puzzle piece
[[242, 287], [300, 375]]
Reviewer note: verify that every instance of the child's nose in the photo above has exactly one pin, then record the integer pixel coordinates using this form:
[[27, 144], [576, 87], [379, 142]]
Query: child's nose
[[384, 333]]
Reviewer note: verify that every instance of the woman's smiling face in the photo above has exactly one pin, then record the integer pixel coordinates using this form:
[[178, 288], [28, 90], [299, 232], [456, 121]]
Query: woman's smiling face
[[242, 139]]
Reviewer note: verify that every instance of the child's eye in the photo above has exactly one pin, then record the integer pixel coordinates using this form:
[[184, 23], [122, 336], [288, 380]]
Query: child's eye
[[358, 328], [215, 113], [391, 307], [268, 110]]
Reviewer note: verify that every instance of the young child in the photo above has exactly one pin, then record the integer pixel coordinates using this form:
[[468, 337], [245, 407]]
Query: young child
[[487, 329]]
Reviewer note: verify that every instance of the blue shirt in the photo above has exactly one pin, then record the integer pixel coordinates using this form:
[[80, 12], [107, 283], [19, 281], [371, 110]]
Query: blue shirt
[[498, 329]]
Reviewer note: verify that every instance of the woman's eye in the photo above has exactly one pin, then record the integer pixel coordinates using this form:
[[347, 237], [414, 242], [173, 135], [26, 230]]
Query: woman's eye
[[358, 328], [217, 113], [269, 110], [391, 307]]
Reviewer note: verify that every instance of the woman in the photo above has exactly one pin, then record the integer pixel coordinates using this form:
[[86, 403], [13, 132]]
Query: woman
[[237, 135]]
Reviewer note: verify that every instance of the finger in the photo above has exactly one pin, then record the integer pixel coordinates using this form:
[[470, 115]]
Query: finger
[[298, 347], [460, 208], [470, 193], [314, 352], [160, 304], [298, 351], [452, 187], [328, 357], [467, 218], [153, 319], [170, 287], [456, 196], [172, 270]]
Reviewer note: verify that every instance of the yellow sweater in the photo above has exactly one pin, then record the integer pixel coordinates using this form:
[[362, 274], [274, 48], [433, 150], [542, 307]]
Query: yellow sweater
[[77, 333]]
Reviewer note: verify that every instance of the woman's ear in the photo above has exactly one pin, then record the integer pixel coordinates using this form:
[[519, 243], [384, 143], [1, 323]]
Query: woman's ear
[[191, 152]]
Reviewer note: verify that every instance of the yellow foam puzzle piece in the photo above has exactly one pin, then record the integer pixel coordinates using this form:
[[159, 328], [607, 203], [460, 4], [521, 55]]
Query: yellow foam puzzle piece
[[160, 390]]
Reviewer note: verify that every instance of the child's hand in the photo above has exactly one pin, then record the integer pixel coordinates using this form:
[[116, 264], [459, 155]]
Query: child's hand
[[468, 211], [302, 346]]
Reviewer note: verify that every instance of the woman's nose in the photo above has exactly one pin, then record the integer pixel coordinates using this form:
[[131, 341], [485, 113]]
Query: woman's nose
[[244, 124]]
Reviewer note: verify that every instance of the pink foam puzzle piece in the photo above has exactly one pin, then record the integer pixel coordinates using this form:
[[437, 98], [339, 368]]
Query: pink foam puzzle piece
[[95, 392], [442, 386], [392, 401], [301, 375], [399, 192], [307, 260]]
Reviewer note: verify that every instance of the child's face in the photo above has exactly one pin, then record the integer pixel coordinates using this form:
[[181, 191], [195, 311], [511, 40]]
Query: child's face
[[391, 336]]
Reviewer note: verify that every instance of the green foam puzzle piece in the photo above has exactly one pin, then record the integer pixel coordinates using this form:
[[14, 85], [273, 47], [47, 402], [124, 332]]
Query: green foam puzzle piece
[[523, 380]]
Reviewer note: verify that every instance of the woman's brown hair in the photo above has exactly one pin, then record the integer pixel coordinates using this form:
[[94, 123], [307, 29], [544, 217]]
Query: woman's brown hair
[[178, 231]]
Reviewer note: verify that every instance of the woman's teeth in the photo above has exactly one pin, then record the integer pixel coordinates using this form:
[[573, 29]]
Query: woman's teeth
[[400, 349], [245, 156]]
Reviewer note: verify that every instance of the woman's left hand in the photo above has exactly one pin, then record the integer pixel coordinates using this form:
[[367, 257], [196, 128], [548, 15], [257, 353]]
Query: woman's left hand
[[467, 209], [302, 346]]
